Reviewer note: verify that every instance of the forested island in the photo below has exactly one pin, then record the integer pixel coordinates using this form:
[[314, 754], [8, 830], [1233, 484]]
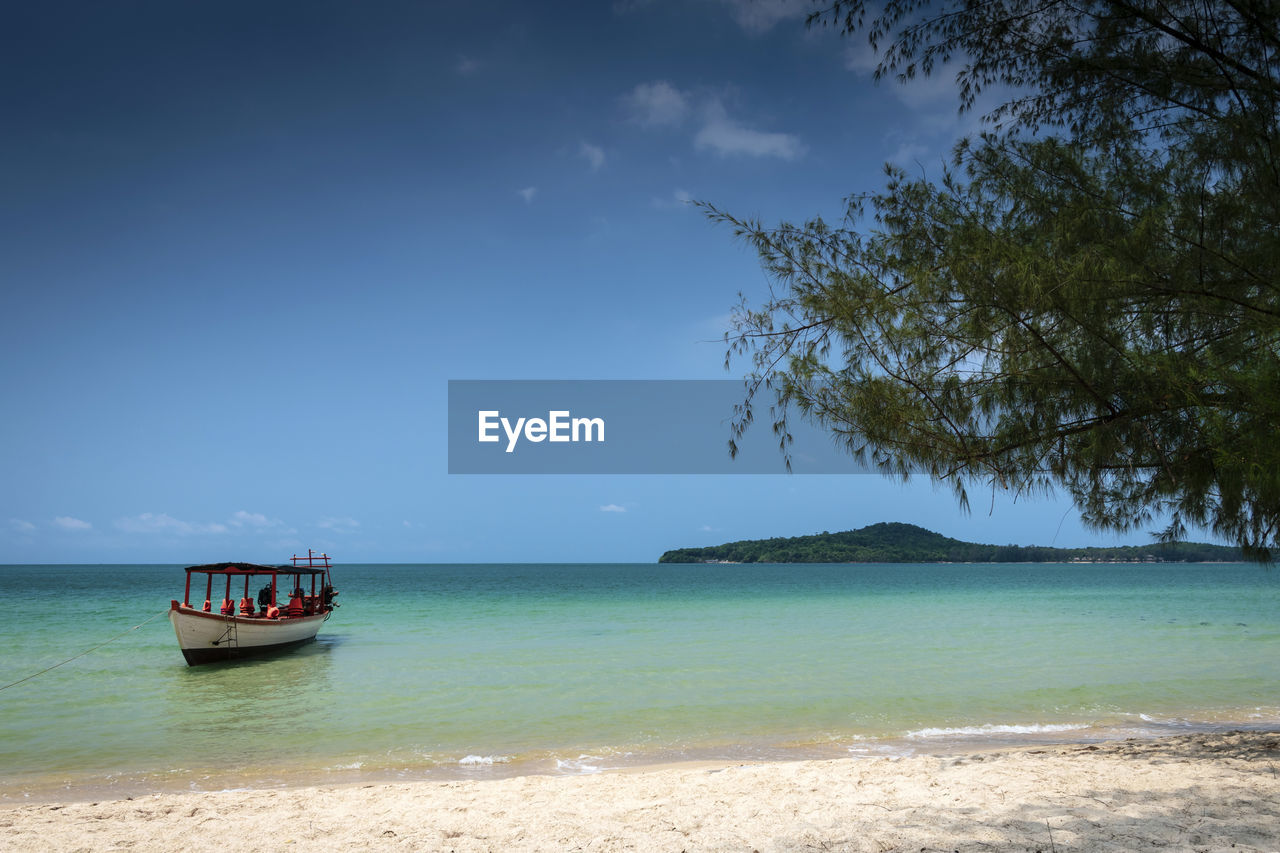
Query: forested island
[[906, 543]]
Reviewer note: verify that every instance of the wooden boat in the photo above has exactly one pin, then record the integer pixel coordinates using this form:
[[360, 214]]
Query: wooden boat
[[253, 626]]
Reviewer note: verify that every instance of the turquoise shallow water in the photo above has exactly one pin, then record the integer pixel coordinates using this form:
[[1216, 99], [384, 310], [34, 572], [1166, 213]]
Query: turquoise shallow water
[[437, 671]]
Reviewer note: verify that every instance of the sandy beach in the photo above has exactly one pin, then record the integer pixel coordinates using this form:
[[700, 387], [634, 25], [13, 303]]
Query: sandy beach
[[1194, 792]]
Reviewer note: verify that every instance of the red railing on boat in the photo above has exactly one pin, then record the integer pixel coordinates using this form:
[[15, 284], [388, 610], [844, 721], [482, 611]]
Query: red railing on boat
[[300, 603], [313, 560]]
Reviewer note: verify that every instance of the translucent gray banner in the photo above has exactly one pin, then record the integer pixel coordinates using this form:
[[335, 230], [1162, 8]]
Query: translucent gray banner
[[621, 427]]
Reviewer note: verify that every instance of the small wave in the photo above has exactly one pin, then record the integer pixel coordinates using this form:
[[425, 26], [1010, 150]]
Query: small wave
[[579, 765], [483, 760], [886, 750], [1263, 714], [979, 731]]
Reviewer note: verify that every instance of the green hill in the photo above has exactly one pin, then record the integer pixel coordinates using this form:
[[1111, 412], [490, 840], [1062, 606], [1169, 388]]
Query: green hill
[[907, 543]]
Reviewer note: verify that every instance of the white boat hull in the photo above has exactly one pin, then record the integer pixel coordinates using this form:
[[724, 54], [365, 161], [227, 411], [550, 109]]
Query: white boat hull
[[208, 637]]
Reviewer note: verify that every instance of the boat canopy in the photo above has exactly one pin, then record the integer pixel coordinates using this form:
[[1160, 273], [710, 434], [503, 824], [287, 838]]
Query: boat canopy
[[255, 569]]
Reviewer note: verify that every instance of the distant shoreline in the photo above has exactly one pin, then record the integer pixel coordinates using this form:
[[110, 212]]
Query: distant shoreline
[[965, 562], [890, 542]]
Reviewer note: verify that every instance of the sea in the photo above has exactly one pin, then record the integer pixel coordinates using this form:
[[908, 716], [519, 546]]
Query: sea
[[486, 671]]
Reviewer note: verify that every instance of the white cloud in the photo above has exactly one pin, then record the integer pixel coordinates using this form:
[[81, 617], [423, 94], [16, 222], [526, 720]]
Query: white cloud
[[660, 103], [66, 522], [725, 136], [709, 330], [758, 16], [613, 508], [466, 66], [679, 198], [860, 57], [754, 16], [20, 526], [910, 152], [527, 194], [657, 104], [345, 524], [593, 154], [162, 522], [937, 93], [242, 518], [935, 122]]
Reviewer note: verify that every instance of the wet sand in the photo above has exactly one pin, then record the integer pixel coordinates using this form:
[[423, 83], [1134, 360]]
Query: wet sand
[[1194, 792]]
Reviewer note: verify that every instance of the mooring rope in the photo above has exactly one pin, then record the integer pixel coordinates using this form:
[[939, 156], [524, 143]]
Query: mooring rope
[[85, 652]]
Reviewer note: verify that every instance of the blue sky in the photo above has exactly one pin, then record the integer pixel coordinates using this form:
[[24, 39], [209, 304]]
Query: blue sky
[[247, 244]]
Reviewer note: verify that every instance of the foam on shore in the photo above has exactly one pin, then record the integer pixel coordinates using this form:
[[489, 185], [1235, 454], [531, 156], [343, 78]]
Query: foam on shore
[[1191, 792]]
